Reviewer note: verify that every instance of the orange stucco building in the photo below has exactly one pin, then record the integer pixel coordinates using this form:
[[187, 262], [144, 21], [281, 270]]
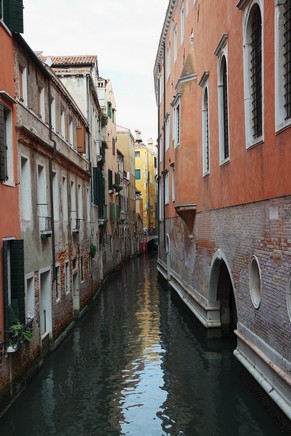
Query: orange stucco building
[[9, 211], [222, 81]]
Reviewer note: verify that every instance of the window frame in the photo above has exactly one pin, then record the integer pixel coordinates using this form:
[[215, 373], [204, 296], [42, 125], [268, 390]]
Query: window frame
[[168, 61], [42, 203], [25, 189], [205, 131], [222, 54], [175, 48], [250, 135], [281, 121], [63, 122], [173, 184], [6, 145], [167, 131], [177, 120], [182, 22], [40, 102], [23, 89], [136, 178], [167, 188]]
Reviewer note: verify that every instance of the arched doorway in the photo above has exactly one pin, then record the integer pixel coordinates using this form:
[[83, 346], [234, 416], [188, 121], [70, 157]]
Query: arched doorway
[[225, 295], [222, 291]]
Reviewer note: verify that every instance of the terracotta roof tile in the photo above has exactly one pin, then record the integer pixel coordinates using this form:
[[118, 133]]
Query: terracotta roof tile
[[70, 60]]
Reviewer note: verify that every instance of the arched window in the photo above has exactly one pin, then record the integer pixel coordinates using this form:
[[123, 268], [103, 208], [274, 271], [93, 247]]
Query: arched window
[[223, 118], [255, 66]]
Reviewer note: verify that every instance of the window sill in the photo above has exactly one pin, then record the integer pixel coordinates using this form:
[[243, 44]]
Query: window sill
[[282, 127], [8, 184], [255, 143], [225, 162]]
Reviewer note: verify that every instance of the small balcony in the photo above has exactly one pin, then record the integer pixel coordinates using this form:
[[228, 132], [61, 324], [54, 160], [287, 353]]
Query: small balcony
[[76, 223], [102, 214], [45, 225]]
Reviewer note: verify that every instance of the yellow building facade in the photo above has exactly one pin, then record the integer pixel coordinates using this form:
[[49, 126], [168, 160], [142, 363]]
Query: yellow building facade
[[145, 180]]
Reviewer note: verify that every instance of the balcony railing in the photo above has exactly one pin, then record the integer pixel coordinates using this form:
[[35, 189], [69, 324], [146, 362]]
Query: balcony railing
[[102, 213], [76, 222], [45, 225]]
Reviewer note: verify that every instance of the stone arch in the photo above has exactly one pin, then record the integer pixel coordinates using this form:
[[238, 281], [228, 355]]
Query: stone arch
[[222, 290]]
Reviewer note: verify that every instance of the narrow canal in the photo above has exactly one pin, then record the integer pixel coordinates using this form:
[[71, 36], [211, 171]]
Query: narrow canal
[[138, 364]]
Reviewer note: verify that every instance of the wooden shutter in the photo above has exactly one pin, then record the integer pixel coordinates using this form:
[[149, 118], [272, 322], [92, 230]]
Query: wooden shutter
[[95, 185], [13, 15], [14, 262], [17, 275], [5, 283], [98, 187], [112, 211], [81, 139], [110, 179]]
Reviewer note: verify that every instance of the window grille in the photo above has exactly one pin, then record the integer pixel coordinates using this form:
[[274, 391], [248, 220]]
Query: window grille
[[256, 72], [178, 124], [225, 110], [3, 146], [206, 132], [287, 58]]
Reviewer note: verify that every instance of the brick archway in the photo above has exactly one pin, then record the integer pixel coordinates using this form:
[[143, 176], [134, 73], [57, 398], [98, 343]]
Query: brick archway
[[222, 290]]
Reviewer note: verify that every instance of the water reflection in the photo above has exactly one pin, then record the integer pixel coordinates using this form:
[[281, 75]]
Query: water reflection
[[138, 363]]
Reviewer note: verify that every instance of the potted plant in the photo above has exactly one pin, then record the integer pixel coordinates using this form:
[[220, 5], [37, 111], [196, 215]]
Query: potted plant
[[92, 249], [19, 334], [103, 119]]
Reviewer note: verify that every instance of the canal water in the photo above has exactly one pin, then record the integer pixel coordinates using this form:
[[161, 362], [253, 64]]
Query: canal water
[[139, 364]]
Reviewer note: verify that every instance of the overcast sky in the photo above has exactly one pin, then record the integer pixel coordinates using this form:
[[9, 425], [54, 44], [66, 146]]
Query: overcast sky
[[124, 34]]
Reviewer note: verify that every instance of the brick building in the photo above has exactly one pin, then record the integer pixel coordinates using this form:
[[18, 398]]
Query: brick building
[[222, 80]]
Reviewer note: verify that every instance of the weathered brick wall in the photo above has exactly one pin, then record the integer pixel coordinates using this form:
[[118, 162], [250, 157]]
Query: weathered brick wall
[[261, 229], [17, 368]]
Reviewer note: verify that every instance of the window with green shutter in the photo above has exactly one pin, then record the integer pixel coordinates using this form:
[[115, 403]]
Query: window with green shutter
[[112, 212], [13, 15], [98, 187], [117, 180], [110, 180], [13, 280]]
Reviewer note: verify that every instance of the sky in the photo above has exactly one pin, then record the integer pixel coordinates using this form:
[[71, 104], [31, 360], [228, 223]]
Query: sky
[[124, 34]]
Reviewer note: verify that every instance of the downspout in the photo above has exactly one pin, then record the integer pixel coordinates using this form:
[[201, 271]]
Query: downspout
[[90, 124], [90, 172], [159, 152], [164, 147], [89, 152], [51, 181]]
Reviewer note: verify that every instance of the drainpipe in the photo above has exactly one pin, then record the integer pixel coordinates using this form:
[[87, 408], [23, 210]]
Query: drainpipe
[[89, 144], [164, 148], [158, 163], [90, 124], [51, 181]]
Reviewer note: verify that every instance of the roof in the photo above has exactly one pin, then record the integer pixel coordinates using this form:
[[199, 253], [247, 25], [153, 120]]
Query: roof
[[80, 60]]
